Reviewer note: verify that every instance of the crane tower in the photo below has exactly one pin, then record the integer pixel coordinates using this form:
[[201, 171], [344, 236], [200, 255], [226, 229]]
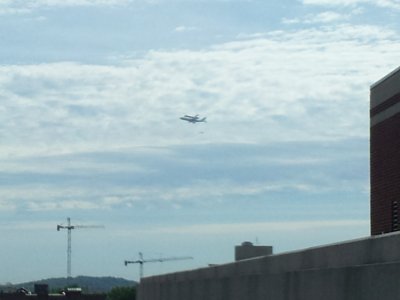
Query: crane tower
[[69, 228], [142, 261]]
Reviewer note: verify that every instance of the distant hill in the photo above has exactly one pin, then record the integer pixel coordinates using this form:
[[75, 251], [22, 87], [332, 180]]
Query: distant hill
[[87, 283]]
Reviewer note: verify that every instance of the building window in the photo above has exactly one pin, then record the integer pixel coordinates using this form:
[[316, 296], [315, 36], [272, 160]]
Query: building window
[[395, 208]]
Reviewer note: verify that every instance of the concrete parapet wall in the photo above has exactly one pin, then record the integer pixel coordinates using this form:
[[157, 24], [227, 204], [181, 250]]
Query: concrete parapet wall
[[367, 269]]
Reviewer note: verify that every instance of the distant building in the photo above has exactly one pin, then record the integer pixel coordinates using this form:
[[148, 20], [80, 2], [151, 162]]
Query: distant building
[[42, 293], [247, 250], [385, 154]]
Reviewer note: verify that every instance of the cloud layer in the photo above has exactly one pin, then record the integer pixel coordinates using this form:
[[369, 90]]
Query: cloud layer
[[393, 4], [252, 90]]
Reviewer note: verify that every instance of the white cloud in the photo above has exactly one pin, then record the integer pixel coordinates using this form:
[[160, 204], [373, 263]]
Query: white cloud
[[56, 198], [6, 206], [68, 165], [334, 2], [26, 226], [389, 3], [285, 82], [68, 188], [185, 28], [394, 4], [267, 89], [39, 3], [211, 190], [324, 17], [27, 6], [13, 11], [240, 228], [82, 2], [61, 205]]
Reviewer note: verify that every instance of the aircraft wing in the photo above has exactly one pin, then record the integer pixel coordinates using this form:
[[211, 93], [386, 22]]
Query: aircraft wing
[[192, 117]]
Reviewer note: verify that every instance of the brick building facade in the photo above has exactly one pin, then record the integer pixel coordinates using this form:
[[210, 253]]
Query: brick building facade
[[385, 154]]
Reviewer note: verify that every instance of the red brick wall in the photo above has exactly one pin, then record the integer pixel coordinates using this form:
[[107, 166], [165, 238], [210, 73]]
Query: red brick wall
[[385, 175]]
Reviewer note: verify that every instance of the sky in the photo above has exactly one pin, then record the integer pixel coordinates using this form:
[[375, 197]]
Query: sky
[[91, 92]]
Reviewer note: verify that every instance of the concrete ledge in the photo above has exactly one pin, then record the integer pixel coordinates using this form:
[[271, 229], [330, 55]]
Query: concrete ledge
[[350, 270], [385, 88]]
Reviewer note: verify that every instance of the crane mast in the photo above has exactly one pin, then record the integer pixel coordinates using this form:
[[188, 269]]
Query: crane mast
[[69, 228], [142, 261]]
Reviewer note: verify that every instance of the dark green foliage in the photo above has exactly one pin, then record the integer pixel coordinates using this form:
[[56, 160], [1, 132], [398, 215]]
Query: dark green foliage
[[122, 293]]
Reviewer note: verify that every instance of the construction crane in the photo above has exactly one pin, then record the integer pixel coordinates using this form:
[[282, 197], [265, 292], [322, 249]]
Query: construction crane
[[141, 261], [69, 227]]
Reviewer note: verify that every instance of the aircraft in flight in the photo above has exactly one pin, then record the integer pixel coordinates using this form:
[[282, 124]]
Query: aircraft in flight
[[193, 119]]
